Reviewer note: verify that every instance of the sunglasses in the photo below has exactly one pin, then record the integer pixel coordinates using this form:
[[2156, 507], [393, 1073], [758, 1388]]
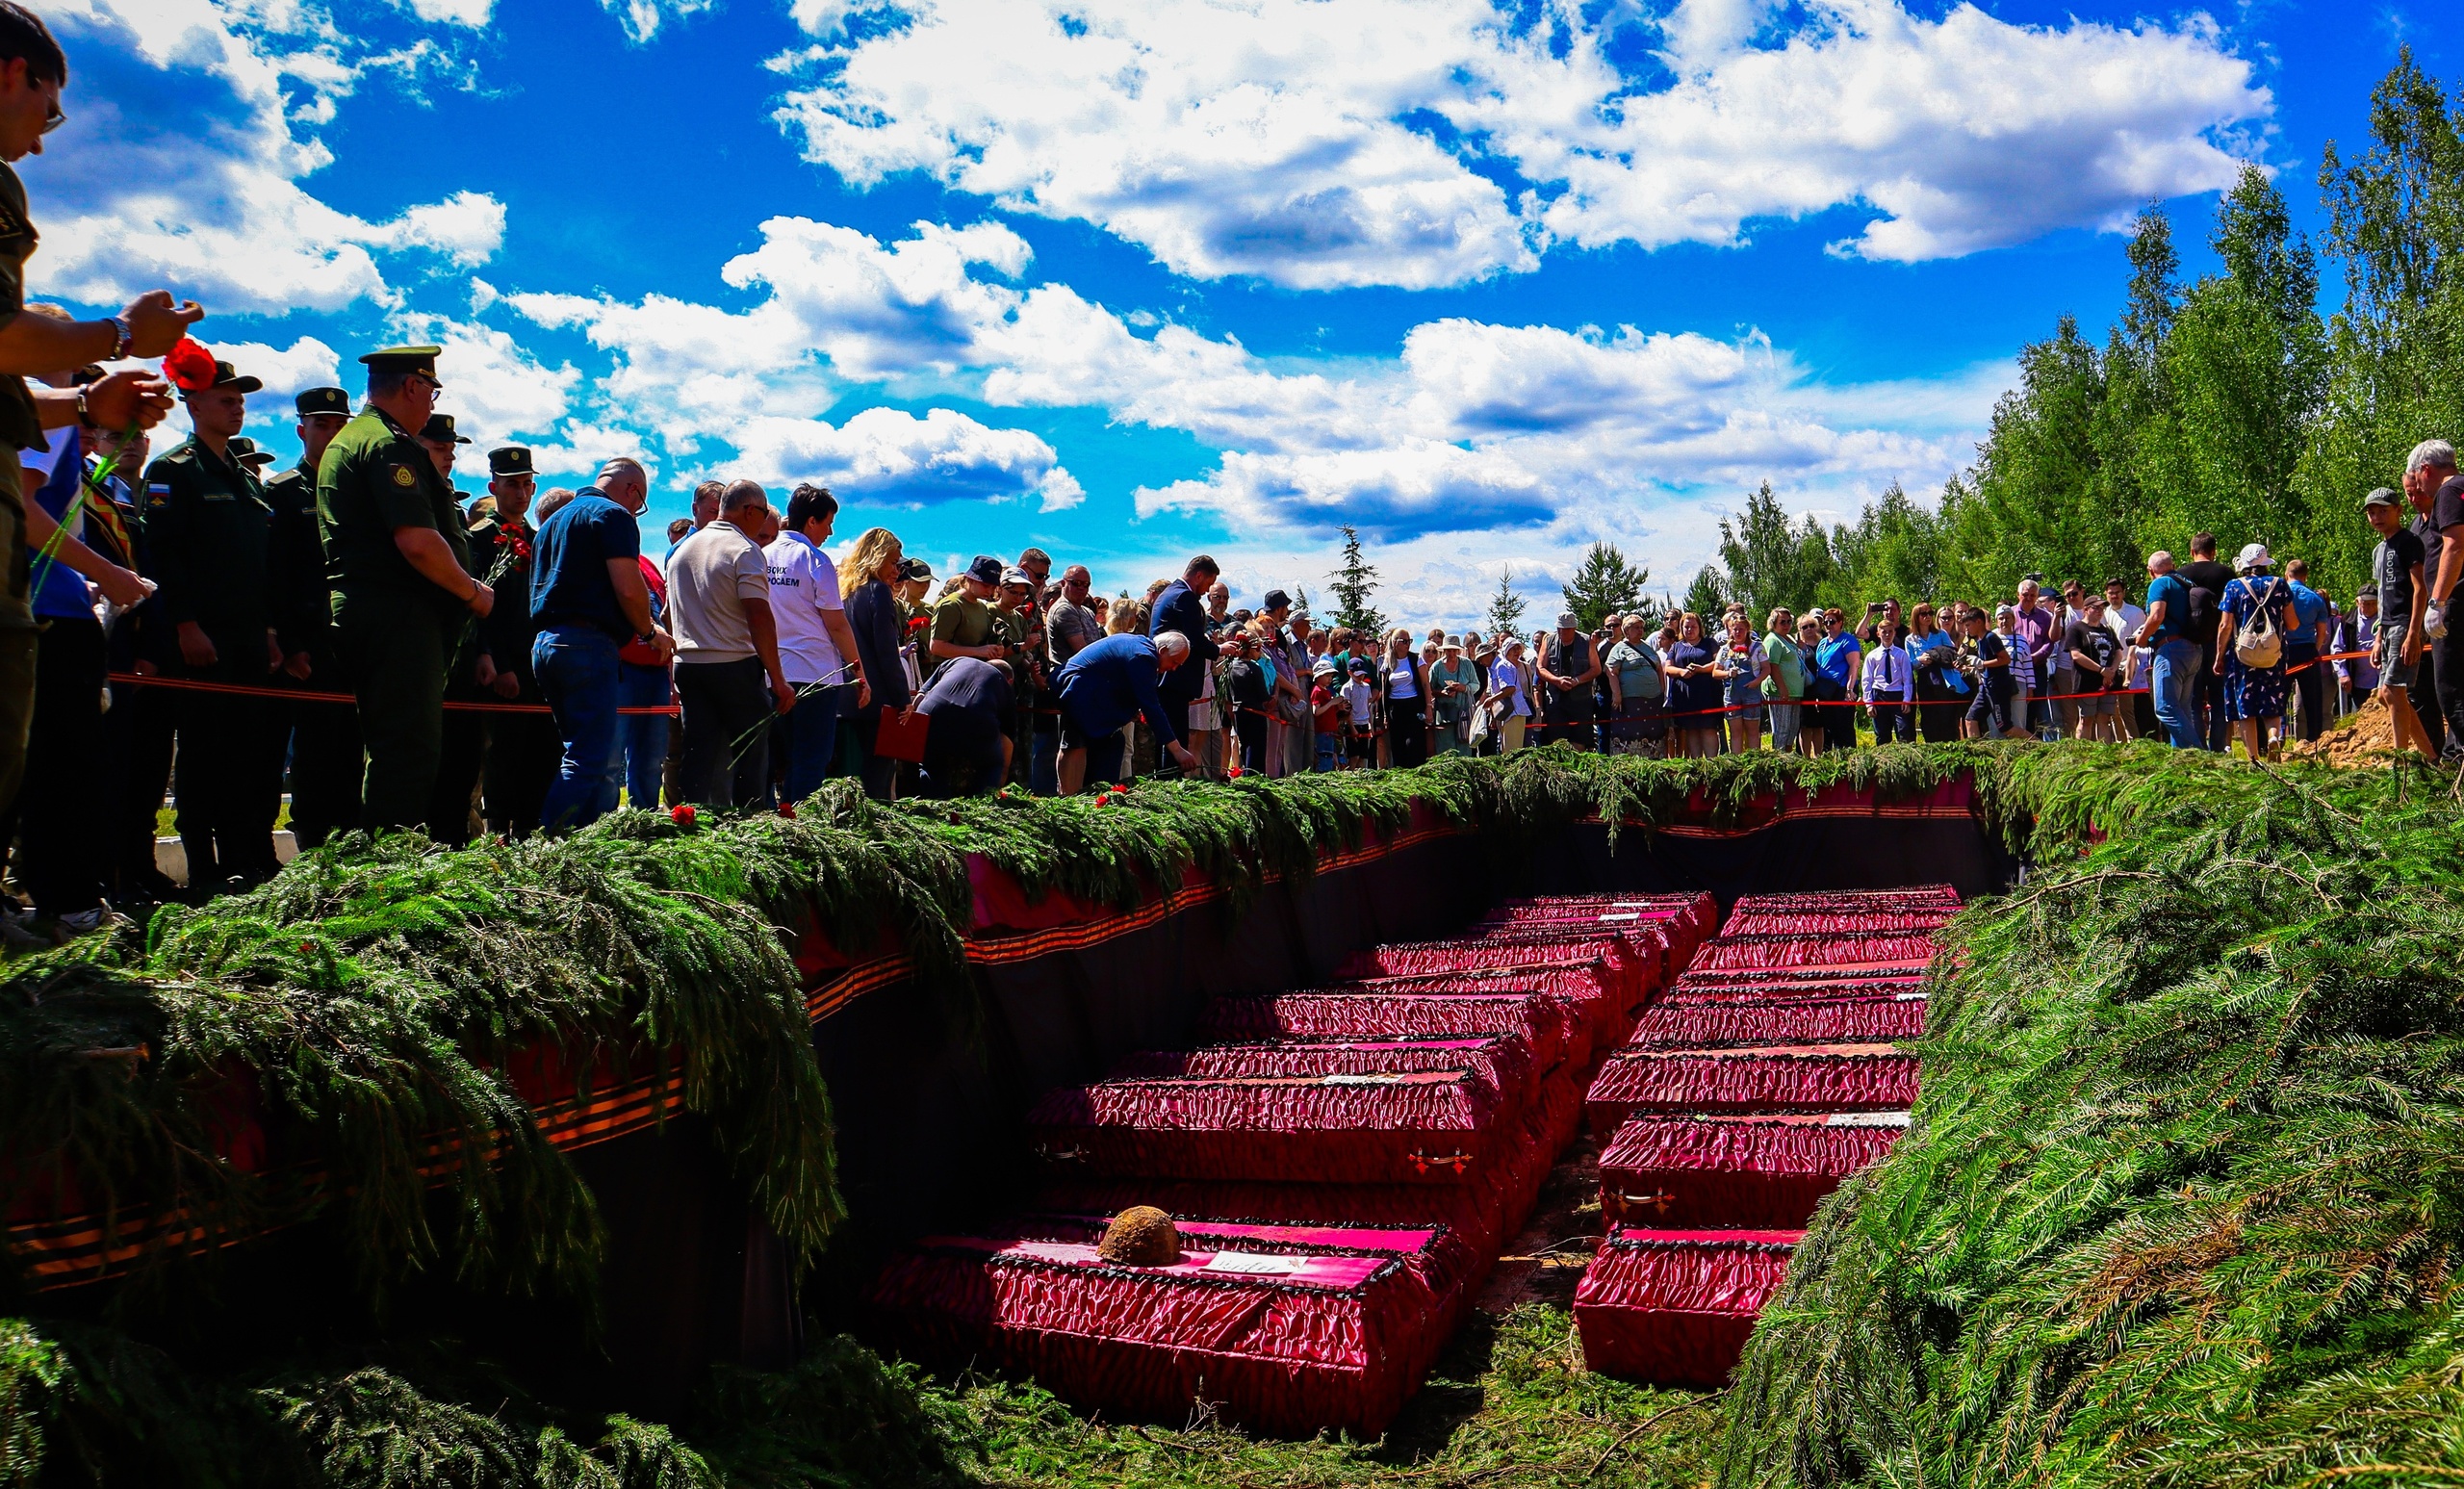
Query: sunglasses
[[55, 118]]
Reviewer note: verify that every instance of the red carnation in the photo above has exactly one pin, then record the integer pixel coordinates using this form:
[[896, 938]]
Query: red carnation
[[1233, 773], [787, 809], [189, 366], [681, 814]]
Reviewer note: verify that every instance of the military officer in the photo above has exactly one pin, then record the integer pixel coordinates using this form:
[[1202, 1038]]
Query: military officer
[[325, 737], [399, 559], [465, 750], [524, 749], [206, 529]]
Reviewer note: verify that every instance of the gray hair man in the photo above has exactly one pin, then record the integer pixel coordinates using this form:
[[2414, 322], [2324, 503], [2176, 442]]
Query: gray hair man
[[726, 648]]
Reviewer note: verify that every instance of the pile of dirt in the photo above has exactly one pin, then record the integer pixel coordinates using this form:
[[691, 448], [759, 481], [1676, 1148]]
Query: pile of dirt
[[2363, 737]]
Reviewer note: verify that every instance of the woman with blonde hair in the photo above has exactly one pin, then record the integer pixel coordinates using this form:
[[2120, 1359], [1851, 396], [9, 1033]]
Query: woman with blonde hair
[[868, 582], [1404, 683]]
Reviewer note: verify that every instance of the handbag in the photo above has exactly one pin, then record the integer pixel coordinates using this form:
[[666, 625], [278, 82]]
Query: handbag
[[898, 737]]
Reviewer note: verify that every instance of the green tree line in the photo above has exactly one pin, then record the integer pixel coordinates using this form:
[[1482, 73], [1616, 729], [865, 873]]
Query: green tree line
[[2227, 404]]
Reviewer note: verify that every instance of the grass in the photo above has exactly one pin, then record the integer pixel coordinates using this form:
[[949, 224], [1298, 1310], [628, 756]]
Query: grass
[[1509, 1407]]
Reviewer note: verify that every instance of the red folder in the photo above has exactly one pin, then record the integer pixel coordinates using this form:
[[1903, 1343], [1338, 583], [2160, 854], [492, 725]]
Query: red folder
[[900, 737]]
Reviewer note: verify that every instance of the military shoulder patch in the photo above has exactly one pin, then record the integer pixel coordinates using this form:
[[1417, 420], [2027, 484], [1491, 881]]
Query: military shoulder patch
[[403, 477]]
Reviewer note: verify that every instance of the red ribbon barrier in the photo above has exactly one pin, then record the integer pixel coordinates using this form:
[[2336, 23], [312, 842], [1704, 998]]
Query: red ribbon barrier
[[304, 695]]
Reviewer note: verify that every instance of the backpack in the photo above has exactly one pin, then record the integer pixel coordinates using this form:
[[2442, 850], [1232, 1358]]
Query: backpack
[[2259, 644]]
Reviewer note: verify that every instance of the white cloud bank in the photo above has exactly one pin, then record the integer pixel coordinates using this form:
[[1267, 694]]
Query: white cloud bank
[[1470, 427], [1429, 142]]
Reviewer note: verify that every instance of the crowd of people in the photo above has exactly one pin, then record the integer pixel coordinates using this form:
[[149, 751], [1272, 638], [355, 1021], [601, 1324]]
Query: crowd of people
[[354, 634]]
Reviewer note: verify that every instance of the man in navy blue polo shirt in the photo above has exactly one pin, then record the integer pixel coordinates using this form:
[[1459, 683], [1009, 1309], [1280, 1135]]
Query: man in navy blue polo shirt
[[588, 598]]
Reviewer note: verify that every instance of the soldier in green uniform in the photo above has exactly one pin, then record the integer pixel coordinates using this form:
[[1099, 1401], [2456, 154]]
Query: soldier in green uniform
[[524, 749], [396, 550], [206, 521], [325, 737], [463, 755]]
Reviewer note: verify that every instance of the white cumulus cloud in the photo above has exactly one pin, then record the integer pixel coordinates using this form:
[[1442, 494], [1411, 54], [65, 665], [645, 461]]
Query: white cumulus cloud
[[182, 166], [1427, 143], [886, 456]]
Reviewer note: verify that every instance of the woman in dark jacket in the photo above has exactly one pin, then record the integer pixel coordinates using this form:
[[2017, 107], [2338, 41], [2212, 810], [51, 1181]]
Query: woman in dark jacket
[[873, 615]]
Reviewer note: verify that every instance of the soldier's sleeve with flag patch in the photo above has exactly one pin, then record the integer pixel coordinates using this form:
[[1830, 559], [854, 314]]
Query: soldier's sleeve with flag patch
[[169, 508], [400, 499]]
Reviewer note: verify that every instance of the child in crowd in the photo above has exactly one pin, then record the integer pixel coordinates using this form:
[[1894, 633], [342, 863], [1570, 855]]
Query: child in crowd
[[1360, 702]]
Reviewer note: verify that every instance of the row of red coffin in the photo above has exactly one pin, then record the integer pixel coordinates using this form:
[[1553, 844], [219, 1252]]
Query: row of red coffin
[[1392, 1167]]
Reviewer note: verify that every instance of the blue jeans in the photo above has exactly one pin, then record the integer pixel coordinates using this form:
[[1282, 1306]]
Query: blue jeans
[[641, 739], [576, 670], [806, 737], [2171, 677]]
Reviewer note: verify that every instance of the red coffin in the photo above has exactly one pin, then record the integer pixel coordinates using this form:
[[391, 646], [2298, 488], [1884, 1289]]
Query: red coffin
[[1552, 1025], [1703, 1172], [1636, 957], [1837, 949], [1674, 1307], [1504, 1061], [1285, 1329], [1486, 1209], [1754, 985], [1753, 1078], [1783, 922], [1596, 997], [1687, 919], [1429, 1127], [1783, 1021], [1845, 901]]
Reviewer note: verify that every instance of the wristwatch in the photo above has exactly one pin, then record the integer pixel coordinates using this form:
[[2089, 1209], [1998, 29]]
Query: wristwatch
[[85, 418], [122, 337]]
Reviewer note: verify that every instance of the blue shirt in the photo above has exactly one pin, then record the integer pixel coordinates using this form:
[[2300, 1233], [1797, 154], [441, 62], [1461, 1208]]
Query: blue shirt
[[59, 591], [1111, 681], [1837, 659], [2174, 593], [2309, 609], [569, 583]]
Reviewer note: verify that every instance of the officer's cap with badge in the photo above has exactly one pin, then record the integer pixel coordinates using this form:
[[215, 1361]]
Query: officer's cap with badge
[[439, 430], [509, 460], [245, 451], [313, 401], [405, 359]]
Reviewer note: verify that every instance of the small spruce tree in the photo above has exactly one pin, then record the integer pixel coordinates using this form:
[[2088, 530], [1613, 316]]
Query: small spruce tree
[[1505, 607], [1356, 586], [1605, 583]]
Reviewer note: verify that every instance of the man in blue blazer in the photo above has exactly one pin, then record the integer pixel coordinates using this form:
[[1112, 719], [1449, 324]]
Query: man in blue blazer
[[1182, 607]]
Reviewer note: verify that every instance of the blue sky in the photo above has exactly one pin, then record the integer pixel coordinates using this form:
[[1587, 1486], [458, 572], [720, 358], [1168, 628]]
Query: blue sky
[[1134, 278]]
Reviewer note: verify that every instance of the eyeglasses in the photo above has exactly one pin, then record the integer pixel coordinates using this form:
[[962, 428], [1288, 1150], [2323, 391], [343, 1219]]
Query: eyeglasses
[[55, 118]]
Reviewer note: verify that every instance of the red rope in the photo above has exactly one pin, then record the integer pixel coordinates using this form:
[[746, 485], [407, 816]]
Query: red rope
[[299, 695]]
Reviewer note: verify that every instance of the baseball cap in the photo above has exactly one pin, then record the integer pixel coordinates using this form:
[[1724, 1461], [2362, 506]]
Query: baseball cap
[[2382, 497], [1014, 574], [1360, 666]]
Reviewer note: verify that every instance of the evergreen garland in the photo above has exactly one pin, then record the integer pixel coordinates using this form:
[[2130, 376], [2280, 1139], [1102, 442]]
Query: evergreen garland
[[2184, 1199]]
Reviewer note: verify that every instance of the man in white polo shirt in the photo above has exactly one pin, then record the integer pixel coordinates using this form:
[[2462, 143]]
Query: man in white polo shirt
[[726, 648], [816, 649]]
